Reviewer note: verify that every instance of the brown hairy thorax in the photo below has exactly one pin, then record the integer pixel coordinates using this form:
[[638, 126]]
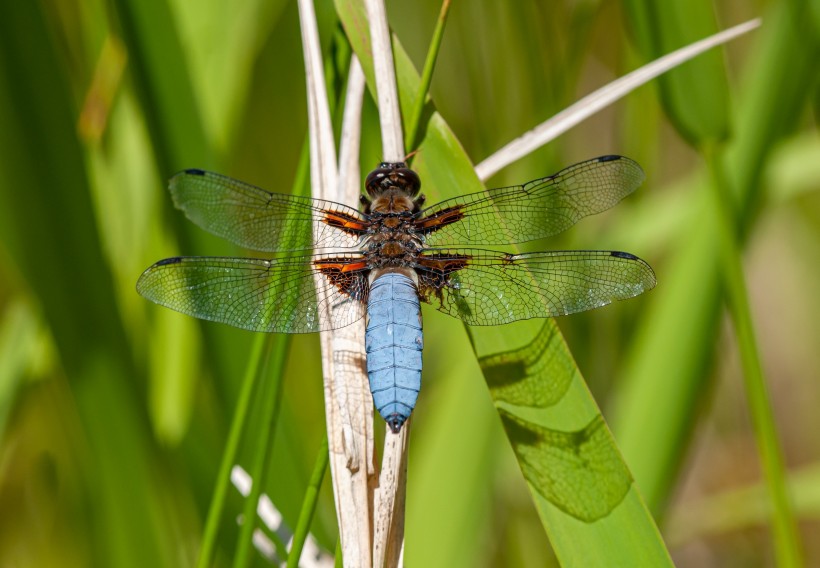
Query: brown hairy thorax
[[394, 233]]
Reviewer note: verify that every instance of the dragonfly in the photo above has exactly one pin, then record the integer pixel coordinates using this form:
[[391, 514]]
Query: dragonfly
[[335, 264]]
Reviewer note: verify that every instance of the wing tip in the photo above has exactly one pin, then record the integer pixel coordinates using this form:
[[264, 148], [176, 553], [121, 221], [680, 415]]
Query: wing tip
[[172, 260], [144, 281], [179, 176], [650, 280], [627, 162]]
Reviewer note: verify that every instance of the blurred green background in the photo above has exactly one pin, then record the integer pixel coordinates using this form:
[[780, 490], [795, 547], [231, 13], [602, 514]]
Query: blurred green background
[[114, 412]]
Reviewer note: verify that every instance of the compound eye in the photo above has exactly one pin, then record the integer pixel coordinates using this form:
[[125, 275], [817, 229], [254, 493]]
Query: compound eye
[[412, 183], [374, 179], [392, 174]]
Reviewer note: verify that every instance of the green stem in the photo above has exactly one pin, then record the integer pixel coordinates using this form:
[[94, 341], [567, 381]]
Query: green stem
[[278, 344], [786, 535], [308, 505], [248, 393], [240, 419], [338, 556], [426, 77]]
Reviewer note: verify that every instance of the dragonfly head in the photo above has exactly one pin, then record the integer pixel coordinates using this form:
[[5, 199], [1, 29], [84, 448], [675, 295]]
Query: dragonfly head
[[392, 175]]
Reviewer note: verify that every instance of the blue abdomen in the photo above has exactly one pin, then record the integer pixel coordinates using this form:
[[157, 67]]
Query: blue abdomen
[[393, 343]]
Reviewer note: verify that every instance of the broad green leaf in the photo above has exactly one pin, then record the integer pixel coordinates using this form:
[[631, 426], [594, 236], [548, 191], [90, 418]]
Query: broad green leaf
[[577, 471], [695, 95], [582, 489]]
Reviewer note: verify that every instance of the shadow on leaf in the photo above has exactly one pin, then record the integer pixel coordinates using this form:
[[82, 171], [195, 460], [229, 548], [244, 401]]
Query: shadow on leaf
[[580, 472]]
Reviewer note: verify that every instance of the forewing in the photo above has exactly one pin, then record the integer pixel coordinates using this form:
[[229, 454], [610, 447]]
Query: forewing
[[535, 210], [489, 288], [260, 295], [257, 219]]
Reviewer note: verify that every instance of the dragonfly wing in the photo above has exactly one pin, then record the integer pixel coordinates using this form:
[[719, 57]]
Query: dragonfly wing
[[535, 210], [257, 219], [277, 295], [490, 288]]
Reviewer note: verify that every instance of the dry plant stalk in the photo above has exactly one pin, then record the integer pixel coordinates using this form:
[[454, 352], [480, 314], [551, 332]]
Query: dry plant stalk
[[348, 404], [371, 518]]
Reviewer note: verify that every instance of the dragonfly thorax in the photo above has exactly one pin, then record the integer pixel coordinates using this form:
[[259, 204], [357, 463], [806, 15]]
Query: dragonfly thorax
[[391, 225], [393, 250], [393, 201]]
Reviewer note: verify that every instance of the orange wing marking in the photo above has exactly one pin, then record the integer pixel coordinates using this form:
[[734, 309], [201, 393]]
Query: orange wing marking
[[441, 219], [349, 275], [346, 222]]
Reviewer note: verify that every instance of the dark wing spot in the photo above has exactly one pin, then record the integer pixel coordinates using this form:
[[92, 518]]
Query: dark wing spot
[[610, 158], [195, 172], [172, 260], [625, 255]]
